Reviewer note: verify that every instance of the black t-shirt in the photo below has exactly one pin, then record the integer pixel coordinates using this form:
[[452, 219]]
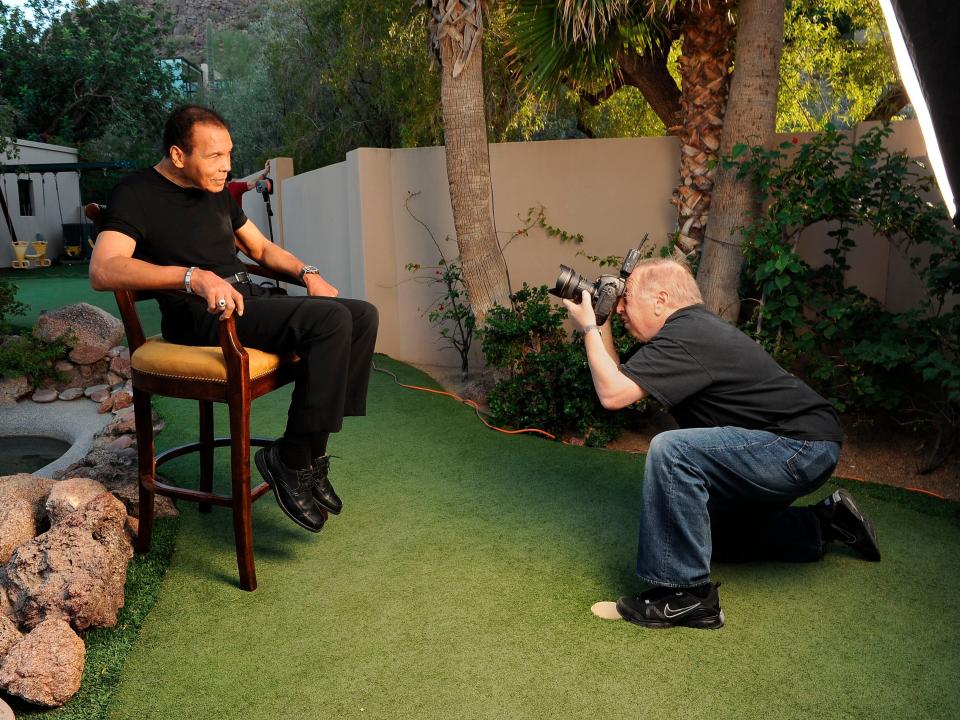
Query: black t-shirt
[[173, 225], [709, 374]]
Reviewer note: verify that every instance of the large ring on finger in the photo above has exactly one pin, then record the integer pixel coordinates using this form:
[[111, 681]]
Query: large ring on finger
[[221, 302]]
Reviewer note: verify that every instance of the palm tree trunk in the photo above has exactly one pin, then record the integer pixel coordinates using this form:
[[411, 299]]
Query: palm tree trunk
[[751, 119], [704, 78], [456, 32], [468, 173]]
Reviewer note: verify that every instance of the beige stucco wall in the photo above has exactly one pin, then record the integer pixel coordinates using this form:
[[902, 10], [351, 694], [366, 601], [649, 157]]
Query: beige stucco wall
[[351, 220]]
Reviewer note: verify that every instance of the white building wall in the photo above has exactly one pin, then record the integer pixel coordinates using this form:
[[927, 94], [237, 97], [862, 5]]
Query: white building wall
[[47, 220]]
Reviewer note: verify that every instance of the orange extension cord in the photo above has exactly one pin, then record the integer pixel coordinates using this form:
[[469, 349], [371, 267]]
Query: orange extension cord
[[544, 433], [470, 403]]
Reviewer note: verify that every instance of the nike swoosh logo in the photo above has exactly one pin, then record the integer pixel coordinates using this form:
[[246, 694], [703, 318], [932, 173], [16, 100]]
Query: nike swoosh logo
[[670, 613], [845, 535]]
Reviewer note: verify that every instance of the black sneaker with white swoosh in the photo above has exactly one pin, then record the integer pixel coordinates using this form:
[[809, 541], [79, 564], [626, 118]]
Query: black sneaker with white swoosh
[[842, 520], [663, 607]]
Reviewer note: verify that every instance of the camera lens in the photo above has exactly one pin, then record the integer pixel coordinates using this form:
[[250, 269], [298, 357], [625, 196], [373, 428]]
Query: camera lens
[[570, 284]]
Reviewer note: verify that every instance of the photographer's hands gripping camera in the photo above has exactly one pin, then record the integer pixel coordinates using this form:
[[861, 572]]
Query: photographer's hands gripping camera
[[573, 289]]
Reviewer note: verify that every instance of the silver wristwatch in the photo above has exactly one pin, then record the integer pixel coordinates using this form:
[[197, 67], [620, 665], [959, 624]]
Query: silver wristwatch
[[308, 270]]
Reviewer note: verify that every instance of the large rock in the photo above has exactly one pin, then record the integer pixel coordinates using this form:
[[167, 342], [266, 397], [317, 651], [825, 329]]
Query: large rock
[[18, 524], [118, 474], [70, 495], [6, 609], [125, 422], [92, 331], [9, 635], [71, 393], [86, 354], [129, 494], [75, 571], [119, 400], [27, 487], [121, 364], [46, 666], [12, 389], [190, 17], [105, 466]]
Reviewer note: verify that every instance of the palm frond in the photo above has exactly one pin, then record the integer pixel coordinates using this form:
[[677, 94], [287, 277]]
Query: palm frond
[[577, 41], [586, 21]]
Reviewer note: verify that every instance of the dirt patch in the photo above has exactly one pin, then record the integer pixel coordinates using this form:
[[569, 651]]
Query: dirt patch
[[885, 455]]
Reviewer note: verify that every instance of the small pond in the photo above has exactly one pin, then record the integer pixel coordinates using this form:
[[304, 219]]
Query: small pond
[[27, 453]]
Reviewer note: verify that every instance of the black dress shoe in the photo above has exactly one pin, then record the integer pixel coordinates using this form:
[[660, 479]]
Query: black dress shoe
[[291, 487], [323, 491]]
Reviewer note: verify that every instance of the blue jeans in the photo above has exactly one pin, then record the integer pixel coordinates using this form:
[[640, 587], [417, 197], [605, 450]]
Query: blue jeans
[[724, 494]]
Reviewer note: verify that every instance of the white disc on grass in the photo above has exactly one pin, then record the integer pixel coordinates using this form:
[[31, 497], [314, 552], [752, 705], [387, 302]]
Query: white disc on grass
[[606, 610]]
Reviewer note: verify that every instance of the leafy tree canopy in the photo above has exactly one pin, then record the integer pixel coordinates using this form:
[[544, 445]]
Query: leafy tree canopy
[[349, 73], [246, 96], [835, 65], [7, 119], [79, 72]]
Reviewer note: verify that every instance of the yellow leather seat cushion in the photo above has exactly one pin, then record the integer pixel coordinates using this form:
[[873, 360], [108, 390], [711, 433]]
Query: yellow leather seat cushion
[[159, 357]]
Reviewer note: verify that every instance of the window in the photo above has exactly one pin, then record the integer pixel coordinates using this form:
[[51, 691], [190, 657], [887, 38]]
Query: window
[[25, 191]]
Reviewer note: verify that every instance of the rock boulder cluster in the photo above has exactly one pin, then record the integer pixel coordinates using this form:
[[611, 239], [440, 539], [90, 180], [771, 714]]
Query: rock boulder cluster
[[65, 547], [97, 367], [65, 544]]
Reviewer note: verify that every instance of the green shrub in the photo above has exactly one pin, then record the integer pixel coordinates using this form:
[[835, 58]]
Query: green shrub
[[26, 355], [854, 351], [548, 383], [9, 305]]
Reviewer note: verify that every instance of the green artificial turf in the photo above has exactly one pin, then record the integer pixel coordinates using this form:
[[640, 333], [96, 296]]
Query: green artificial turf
[[44, 289], [458, 582]]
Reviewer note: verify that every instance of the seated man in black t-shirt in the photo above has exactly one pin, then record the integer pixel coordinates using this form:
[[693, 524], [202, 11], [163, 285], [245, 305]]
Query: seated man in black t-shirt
[[752, 439], [174, 226]]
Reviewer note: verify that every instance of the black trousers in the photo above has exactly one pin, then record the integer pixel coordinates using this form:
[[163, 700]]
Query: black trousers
[[744, 532], [334, 338]]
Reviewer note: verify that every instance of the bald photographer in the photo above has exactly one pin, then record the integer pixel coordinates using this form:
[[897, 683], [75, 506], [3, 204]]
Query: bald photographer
[[753, 439]]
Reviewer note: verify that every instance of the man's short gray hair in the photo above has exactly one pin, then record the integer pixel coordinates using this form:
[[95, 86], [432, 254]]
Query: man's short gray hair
[[655, 274]]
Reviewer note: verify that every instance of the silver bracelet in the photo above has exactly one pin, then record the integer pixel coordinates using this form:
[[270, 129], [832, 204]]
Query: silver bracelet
[[186, 279], [588, 328]]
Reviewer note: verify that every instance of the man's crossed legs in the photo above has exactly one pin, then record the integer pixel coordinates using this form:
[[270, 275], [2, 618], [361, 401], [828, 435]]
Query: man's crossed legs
[[335, 340]]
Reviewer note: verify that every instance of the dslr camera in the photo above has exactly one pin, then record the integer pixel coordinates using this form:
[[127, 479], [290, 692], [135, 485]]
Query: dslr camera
[[606, 291]]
